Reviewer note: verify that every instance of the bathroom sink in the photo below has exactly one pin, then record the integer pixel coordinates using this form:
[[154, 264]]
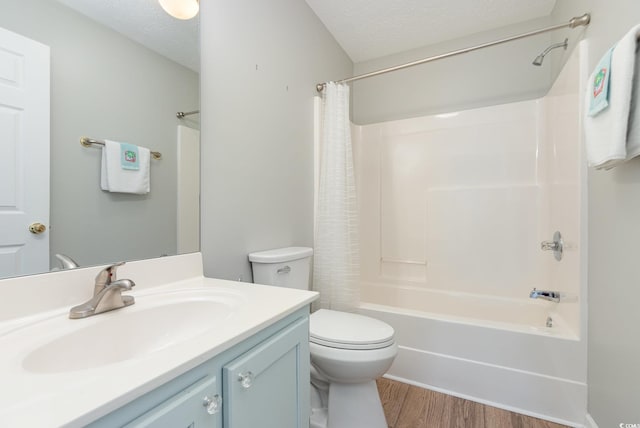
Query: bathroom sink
[[154, 323]]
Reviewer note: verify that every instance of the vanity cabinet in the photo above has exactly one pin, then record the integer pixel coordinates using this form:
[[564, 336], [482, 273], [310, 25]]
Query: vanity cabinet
[[263, 381]]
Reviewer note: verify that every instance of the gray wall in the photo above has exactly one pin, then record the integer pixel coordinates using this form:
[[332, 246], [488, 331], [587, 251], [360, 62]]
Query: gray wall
[[614, 247], [489, 76], [260, 64], [103, 85]]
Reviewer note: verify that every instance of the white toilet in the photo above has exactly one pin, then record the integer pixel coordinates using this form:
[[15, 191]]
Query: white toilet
[[348, 351]]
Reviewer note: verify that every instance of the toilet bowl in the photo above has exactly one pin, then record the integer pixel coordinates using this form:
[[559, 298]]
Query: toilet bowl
[[348, 351]]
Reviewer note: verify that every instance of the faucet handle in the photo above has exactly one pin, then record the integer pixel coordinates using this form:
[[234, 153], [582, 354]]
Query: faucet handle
[[557, 246], [123, 284], [105, 277]]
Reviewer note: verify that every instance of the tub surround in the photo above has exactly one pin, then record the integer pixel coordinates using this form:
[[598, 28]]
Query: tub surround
[[517, 168], [451, 248], [78, 397]]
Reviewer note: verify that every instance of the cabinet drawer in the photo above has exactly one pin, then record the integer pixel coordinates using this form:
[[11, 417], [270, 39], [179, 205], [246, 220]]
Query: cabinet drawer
[[186, 409]]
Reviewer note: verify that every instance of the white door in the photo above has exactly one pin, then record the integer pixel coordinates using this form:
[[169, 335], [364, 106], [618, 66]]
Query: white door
[[188, 190], [24, 155]]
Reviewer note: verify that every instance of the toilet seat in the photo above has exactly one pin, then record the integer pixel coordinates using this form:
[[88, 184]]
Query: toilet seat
[[343, 330]]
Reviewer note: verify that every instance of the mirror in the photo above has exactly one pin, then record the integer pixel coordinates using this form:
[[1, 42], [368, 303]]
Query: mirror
[[122, 79]]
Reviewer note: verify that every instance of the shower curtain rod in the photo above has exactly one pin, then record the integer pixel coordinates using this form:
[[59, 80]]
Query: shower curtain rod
[[577, 21], [182, 114]]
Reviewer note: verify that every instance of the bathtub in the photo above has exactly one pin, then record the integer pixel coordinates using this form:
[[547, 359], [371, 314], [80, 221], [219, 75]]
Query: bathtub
[[455, 343]]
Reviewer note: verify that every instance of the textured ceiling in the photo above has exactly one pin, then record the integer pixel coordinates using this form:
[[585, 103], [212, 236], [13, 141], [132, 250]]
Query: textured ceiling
[[365, 29], [145, 22], [368, 29]]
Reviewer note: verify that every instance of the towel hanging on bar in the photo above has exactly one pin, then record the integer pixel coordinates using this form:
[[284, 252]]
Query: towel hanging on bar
[[125, 168]]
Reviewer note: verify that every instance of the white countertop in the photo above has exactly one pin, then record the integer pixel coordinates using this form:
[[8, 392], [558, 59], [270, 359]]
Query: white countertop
[[77, 397]]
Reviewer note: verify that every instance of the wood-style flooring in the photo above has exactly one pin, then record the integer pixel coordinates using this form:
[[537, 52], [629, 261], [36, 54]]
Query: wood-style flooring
[[407, 406]]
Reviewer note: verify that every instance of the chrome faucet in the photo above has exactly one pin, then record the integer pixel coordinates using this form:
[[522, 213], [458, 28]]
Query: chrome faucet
[[552, 296], [105, 277], [107, 294], [66, 262]]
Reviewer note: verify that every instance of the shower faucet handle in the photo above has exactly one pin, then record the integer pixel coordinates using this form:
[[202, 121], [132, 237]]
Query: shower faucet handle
[[549, 245], [557, 245]]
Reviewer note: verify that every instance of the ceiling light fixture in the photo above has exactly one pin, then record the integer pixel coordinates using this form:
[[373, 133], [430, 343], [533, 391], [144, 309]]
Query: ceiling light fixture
[[181, 9]]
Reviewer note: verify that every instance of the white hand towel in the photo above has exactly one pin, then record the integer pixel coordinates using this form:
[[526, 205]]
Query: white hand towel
[[606, 132], [114, 178], [633, 131]]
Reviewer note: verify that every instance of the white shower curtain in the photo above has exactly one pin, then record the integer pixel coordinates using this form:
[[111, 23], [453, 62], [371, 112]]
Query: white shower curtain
[[336, 267]]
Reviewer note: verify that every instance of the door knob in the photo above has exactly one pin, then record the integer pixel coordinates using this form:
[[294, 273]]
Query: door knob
[[37, 228]]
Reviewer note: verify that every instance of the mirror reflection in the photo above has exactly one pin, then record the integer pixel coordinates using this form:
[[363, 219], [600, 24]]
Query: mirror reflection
[[106, 70]]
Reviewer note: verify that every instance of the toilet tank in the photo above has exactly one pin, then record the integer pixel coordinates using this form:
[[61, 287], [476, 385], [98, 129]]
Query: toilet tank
[[283, 267]]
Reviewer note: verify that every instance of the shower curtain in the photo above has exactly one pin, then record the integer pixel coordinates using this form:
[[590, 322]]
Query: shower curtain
[[336, 268]]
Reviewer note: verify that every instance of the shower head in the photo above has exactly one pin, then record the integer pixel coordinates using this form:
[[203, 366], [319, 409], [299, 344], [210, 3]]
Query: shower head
[[540, 58]]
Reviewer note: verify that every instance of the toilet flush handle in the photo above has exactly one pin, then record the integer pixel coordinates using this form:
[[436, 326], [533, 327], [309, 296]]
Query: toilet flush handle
[[283, 270]]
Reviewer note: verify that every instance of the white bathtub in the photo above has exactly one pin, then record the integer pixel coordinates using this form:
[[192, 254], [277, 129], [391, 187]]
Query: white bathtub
[[456, 343], [521, 315]]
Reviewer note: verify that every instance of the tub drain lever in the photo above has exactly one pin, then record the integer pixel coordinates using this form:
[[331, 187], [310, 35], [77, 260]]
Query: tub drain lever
[[556, 245]]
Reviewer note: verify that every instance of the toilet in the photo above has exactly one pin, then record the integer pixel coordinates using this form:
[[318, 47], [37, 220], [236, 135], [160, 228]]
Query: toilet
[[348, 351]]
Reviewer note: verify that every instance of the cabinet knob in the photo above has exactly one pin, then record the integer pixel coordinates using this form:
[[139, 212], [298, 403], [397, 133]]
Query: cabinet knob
[[245, 379], [213, 405]]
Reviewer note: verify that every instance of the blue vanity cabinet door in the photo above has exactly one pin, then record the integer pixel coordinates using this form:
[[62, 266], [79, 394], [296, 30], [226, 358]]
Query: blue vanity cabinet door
[[268, 386], [186, 409]]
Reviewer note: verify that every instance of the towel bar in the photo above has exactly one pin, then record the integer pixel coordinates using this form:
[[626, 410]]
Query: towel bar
[[88, 142]]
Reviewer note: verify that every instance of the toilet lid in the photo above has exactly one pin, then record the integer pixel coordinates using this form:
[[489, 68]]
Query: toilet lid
[[348, 331]]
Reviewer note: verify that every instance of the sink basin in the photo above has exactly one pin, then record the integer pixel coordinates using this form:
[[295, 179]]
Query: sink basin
[[154, 323]]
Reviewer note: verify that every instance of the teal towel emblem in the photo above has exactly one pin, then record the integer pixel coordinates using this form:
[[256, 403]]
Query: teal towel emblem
[[600, 90], [129, 157], [598, 82]]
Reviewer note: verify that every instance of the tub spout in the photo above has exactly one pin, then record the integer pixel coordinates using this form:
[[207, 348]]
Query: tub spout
[[552, 296]]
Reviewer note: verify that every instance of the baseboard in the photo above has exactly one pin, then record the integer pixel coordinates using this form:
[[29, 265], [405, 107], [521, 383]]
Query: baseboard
[[589, 422], [554, 399]]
